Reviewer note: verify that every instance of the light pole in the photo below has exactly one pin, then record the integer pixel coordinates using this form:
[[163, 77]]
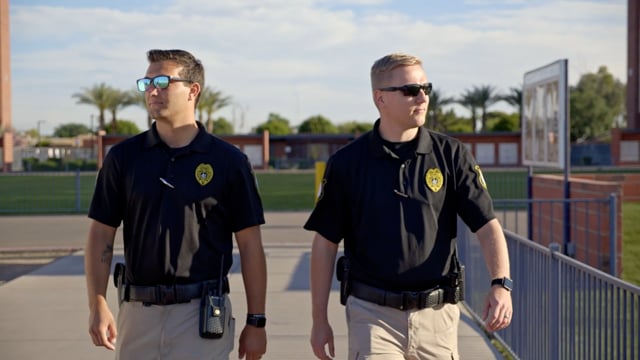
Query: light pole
[[93, 133], [39, 122]]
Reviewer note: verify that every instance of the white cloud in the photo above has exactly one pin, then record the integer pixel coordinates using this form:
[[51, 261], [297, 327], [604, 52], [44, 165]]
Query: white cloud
[[300, 58]]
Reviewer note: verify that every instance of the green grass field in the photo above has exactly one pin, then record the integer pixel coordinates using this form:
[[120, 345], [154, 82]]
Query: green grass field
[[53, 193], [631, 242], [66, 193]]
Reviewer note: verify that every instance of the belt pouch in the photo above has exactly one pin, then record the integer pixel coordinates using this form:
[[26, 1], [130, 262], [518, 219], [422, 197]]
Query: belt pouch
[[212, 313], [118, 280], [342, 274]]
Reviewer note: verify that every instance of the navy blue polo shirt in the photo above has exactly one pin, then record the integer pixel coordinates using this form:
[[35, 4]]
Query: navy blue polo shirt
[[398, 214], [178, 207]]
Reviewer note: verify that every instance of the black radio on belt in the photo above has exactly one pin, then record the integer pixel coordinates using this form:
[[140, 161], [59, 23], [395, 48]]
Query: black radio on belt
[[212, 310]]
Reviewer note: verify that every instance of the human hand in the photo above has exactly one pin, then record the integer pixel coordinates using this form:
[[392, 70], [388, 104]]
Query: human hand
[[498, 310], [322, 337], [253, 342], [102, 326]]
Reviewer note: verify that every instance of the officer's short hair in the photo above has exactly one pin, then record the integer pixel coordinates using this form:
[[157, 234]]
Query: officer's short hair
[[381, 69]]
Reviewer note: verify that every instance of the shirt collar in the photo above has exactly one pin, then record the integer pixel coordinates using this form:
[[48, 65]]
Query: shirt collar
[[424, 145], [200, 143]]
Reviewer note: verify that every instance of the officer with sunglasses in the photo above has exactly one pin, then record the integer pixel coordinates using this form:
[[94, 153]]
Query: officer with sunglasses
[[180, 194], [393, 195]]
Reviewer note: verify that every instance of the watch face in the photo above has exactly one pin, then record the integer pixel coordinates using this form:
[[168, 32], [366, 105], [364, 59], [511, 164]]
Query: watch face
[[505, 282], [508, 284]]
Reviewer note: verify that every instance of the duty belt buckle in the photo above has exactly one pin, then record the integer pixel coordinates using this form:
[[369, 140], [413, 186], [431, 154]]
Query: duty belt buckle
[[166, 294], [410, 300], [434, 298]]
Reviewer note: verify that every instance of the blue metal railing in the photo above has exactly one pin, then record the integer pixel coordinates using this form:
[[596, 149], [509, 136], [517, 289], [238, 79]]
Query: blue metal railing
[[563, 309], [585, 242]]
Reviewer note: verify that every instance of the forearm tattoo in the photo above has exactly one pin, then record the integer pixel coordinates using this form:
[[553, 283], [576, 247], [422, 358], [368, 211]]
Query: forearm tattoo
[[107, 254]]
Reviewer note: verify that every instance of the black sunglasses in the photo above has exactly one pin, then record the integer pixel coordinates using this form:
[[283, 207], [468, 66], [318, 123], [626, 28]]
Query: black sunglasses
[[410, 89], [159, 82]]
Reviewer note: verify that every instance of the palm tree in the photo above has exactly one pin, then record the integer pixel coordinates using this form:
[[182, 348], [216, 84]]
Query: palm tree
[[480, 97], [487, 96], [210, 102], [99, 96], [469, 99], [118, 100], [514, 98], [437, 101]]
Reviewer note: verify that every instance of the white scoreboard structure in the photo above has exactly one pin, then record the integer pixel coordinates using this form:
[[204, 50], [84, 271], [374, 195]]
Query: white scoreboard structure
[[545, 116]]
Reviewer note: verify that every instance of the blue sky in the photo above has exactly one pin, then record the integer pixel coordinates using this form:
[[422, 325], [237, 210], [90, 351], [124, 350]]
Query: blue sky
[[297, 58]]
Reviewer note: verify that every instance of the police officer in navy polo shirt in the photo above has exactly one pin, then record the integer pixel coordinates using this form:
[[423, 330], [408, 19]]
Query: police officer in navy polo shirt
[[393, 195], [180, 194]]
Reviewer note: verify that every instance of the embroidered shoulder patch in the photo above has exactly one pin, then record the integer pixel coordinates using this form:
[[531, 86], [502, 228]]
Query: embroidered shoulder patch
[[481, 180], [434, 179], [204, 174]]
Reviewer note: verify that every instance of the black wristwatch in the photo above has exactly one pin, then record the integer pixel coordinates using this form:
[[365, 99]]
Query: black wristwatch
[[505, 282], [257, 320]]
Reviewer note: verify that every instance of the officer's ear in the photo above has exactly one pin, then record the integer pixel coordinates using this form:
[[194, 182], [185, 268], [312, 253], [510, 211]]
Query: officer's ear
[[378, 99], [194, 91]]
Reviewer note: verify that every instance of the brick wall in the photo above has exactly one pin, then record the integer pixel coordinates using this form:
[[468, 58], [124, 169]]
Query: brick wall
[[589, 221]]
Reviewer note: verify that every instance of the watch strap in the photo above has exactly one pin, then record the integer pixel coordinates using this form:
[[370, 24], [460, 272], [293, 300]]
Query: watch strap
[[505, 282], [257, 320]]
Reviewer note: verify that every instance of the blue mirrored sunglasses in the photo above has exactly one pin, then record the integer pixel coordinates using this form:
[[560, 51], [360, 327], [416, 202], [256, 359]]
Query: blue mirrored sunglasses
[[159, 82]]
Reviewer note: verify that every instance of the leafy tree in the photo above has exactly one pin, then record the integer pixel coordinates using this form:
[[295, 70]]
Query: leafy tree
[[123, 127], [451, 122], [32, 133], [70, 130], [500, 121], [354, 127], [317, 125], [276, 125], [437, 100], [98, 96], [595, 103], [210, 102], [222, 126]]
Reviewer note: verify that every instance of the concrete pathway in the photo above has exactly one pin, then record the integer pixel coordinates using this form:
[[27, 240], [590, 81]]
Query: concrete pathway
[[44, 313]]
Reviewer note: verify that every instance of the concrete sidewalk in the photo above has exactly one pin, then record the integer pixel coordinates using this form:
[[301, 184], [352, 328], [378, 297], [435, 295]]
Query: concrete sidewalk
[[44, 314]]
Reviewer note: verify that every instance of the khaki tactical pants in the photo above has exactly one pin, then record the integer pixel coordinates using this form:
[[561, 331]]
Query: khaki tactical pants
[[383, 333], [169, 332]]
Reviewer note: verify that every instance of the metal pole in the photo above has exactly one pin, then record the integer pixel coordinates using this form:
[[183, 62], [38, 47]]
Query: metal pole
[[93, 136], [569, 247], [555, 294], [39, 122], [77, 190], [613, 235]]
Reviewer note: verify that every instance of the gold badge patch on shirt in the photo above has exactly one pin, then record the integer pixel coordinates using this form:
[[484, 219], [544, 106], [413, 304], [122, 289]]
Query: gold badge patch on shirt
[[481, 180], [204, 174], [433, 178]]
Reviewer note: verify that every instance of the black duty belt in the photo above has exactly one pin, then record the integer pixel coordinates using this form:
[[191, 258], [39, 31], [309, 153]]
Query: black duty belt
[[405, 300], [170, 294]]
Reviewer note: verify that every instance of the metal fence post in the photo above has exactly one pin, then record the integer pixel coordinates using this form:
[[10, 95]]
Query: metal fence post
[[78, 190], [613, 235], [555, 295]]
